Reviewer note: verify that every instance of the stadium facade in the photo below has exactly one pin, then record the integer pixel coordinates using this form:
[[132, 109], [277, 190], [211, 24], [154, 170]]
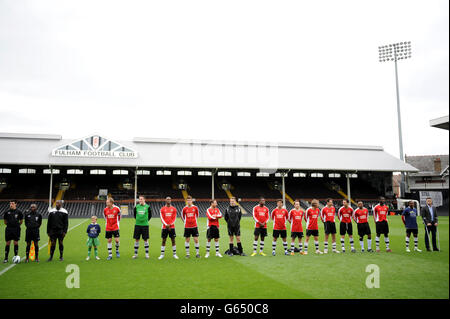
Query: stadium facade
[[37, 167]]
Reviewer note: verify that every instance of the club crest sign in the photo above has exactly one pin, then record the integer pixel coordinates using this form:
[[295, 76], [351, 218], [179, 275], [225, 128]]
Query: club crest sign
[[94, 146]]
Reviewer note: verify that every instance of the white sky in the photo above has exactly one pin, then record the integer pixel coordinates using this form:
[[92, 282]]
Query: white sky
[[288, 71]]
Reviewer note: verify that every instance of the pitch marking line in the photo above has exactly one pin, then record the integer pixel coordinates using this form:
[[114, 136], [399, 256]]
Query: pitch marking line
[[45, 245]]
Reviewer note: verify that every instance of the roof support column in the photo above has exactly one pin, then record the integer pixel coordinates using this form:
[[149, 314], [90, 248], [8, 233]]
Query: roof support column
[[51, 189], [212, 184], [135, 186], [348, 189], [283, 188]]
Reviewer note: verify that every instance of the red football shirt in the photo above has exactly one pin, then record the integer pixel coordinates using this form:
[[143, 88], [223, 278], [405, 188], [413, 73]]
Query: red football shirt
[[279, 217], [213, 215], [190, 216], [112, 216], [261, 214], [361, 215], [168, 215], [327, 214], [311, 217], [295, 217], [345, 214], [380, 212]]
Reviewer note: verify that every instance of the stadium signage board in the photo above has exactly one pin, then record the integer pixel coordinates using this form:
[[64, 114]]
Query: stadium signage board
[[95, 146]]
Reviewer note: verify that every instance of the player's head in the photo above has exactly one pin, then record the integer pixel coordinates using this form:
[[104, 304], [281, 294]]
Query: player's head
[[93, 219], [213, 203], [189, 200], [279, 203], [110, 202], [360, 204], [329, 202], [142, 199], [33, 207], [315, 203], [345, 202], [233, 201], [429, 201], [297, 204], [13, 204], [262, 201], [168, 200], [382, 200], [58, 204], [411, 204]]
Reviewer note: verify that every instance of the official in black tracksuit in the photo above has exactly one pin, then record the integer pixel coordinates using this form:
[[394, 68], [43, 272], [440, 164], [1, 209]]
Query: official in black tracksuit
[[33, 221], [13, 219], [58, 222], [233, 216]]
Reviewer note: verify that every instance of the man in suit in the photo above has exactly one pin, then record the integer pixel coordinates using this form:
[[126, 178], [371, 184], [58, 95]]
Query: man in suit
[[430, 219]]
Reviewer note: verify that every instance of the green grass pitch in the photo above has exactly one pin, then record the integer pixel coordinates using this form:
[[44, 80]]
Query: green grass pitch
[[402, 275]]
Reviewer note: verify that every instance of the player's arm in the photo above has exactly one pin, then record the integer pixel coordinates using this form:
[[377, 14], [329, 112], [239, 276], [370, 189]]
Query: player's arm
[[220, 215], [239, 214], [66, 222], [208, 214], [267, 218], [226, 217], [49, 223], [135, 212], [339, 213], [87, 230], [4, 219], [149, 213], [20, 218], [183, 213], [322, 214], [162, 218], [40, 220]]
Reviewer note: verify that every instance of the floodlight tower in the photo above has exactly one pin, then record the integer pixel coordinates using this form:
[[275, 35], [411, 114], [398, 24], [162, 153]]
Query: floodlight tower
[[395, 52]]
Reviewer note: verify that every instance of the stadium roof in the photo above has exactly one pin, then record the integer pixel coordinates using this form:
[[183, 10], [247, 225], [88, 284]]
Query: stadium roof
[[96, 150], [440, 122]]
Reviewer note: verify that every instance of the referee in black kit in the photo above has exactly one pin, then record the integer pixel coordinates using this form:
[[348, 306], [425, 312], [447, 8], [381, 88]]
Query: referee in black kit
[[57, 224], [233, 216], [13, 219]]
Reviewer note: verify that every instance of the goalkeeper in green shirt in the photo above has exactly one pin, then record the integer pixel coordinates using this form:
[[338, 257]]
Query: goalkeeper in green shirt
[[142, 214]]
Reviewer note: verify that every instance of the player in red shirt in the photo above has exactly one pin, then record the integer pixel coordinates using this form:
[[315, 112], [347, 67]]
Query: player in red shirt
[[189, 217], [327, 214], [168, 215], [380, 212], [261, 216], [361, 217], [279, 216], [213, 214], [345, 214], [295, 218], [312, 216], [112, 217]]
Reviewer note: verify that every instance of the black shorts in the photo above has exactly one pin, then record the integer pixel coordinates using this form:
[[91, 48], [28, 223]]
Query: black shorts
[[297, 234], [32, 234], [12, 233], [346, 228], [312, 232], [112, 233], [413, 231], [363, 229], [260, 232], [279, 233], [140, 231], [212, 232], [329, 227], [168, 232], [234, 230], [382, 228], [193, 231], [56, 235]]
